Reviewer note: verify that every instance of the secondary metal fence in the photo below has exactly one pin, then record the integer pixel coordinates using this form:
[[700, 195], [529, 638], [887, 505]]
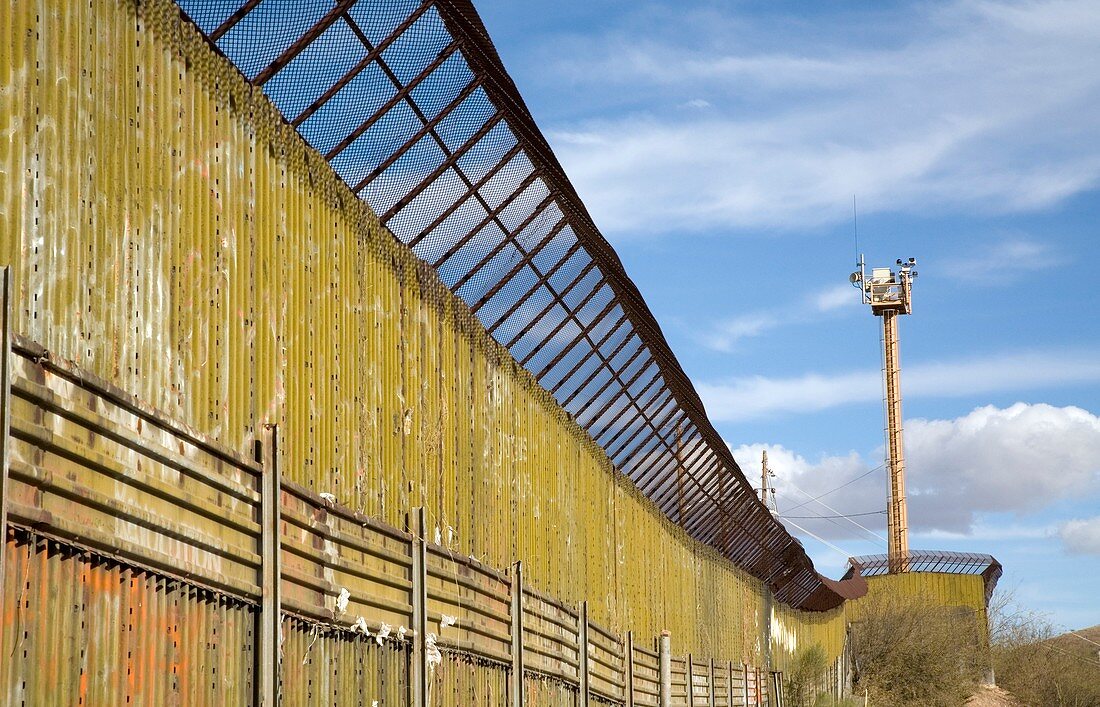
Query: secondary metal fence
[[144, 561], [410, 104]]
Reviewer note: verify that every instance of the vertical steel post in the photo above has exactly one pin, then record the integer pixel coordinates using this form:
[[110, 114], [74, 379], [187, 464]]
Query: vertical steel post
[[664, 648], [418, 669], [628, 666], [5, 410], [729, 683], [710, 685], [516, 630], [267, 673], [689, 674], [582, 659], [745, 682]]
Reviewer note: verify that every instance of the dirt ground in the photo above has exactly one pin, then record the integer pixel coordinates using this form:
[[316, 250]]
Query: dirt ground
[[992, 697]]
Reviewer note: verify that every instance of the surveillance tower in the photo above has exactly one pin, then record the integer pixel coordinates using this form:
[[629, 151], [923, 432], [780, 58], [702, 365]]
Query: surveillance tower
[[889, 294]]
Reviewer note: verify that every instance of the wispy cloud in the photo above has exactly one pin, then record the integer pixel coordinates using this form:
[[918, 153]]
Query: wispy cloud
[[993, 532], [1008, 258], [757, 397], [725, 334], [1081, 537], [970, 105], [835, 297]]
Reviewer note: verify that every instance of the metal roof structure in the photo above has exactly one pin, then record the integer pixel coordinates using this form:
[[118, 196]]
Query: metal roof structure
[[410, 104], [933, 561]]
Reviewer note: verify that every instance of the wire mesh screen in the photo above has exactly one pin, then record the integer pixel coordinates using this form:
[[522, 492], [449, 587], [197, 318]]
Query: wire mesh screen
[[410, 105]]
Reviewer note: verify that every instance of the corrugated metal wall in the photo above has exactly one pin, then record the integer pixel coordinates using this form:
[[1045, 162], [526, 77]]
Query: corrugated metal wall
[[326, 666], [962, 590], [83, 630]]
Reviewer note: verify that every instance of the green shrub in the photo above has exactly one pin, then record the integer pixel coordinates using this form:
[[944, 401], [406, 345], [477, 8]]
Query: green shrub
[[803, 677], [907, 652]]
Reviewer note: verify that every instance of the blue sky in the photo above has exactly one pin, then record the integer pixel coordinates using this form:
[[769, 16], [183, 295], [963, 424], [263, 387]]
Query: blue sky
[[719, 146]]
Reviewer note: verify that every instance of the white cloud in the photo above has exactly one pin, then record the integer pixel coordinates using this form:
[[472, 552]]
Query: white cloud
[[1021, 459], [1082, 537], [972, 105], [1017, 460], [836, 297], [993, 532], [757, 397], [1009, 258], [725, 334]]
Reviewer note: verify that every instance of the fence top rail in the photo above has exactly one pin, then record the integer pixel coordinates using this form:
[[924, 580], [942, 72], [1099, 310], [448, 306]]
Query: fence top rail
[[530, 593], [69, 371], [611, 637], [450, 556], [314, 498]]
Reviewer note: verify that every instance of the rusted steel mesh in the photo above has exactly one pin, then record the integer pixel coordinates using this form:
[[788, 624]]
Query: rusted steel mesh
[[411, 106]]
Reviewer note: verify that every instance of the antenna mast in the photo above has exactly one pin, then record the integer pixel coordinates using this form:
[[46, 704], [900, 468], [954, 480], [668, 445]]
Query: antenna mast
[[890, 294]]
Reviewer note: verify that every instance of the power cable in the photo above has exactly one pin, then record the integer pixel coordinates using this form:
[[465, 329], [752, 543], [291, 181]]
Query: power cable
[[1086, 640], [826, 505], [823, 541], [847, 515], [823, 517], [846, 483], [1087, 661]]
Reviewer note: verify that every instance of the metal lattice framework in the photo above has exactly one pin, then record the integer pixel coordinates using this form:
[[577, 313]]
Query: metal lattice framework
[[411, 106], [933, 561]]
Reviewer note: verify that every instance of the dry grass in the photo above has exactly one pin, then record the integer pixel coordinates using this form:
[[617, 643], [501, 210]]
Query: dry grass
[[989, 696]]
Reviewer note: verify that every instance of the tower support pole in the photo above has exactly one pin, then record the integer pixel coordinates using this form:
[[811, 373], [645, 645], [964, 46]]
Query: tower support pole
[[896, 513]]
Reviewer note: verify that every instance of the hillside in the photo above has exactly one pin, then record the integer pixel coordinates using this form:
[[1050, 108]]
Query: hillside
[[1083, 642]]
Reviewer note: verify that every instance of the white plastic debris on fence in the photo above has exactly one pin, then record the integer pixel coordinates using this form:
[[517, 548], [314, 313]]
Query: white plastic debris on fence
[[342, 601]]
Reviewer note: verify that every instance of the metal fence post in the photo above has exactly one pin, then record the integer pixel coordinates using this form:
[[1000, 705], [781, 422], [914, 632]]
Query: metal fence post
[[582, 659], [418, 667], [267, 673], [745, 682], [729, 683], [5, 410], [517, 634], [628, 666], [664, 648], [689, 674], [711, 690]]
